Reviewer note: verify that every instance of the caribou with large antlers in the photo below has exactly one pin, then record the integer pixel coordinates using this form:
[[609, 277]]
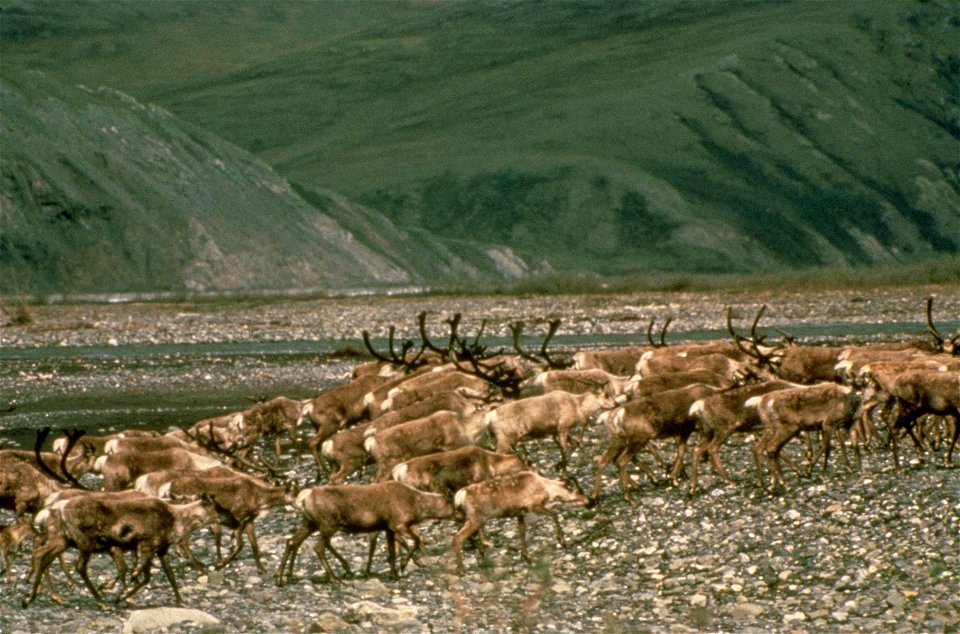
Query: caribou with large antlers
[[789, 360]]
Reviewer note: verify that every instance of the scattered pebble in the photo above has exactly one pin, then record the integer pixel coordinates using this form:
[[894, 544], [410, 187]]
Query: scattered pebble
[[839, 551]]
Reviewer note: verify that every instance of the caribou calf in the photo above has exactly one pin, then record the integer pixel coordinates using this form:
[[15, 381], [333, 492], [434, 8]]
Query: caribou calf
[[278, 417], [11, 537]]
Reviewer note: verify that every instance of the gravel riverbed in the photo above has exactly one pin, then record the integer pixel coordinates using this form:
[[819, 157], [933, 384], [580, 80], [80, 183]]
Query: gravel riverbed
[[850, 551]]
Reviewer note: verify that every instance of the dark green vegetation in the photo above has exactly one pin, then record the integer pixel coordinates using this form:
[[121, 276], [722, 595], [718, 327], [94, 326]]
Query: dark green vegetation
[[593, 137], [135, 200]]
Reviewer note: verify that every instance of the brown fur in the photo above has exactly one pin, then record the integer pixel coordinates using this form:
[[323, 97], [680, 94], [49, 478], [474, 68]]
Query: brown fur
[[513, 495], [360, 508], [632, 426]]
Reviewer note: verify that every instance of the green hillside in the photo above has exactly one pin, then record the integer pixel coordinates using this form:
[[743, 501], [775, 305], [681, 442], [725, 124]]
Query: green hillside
[[585, 135], [100, 193]]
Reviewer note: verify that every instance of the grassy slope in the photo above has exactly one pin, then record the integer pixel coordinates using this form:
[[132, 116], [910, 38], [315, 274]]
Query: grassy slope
[[101, 193], [608, 136]]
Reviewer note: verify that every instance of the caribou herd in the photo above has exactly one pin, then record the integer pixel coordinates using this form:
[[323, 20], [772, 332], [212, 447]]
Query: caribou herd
[[451, 431]]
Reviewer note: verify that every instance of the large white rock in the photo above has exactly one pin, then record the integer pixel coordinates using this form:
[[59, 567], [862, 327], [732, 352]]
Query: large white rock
[[156, 618]]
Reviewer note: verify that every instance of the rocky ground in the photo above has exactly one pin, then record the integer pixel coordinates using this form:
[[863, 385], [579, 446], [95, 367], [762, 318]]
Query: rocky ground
[[868, 550]]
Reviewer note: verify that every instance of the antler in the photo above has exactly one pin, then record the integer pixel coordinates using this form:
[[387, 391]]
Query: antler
[[542, 356], [663, 333], [210, 444], [753, 340], [949, 345], [787, 337], [753, 327], [737, 339], [499, 375], [427, 344], [394, 358], [67, 477]]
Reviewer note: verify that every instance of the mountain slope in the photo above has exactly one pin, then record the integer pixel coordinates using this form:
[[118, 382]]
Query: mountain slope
[[605, 136], [99, 192], [721, 136]]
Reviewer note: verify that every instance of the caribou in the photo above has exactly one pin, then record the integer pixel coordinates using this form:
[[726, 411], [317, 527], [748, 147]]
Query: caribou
[[147, 526], [632, 426], [576, 382], [920, 392], [274, 418], [719, 416], [120, 470], [239, 501], [785, 413], [554, 414], [387, 506], [509, 496], [446, 472], [438, 432], [342, 406]]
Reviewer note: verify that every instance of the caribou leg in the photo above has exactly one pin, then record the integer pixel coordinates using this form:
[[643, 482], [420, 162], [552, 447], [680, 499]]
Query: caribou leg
[[290, 551]]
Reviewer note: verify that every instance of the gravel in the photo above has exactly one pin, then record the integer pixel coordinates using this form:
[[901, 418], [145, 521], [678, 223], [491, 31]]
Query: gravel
[[864, 550]]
